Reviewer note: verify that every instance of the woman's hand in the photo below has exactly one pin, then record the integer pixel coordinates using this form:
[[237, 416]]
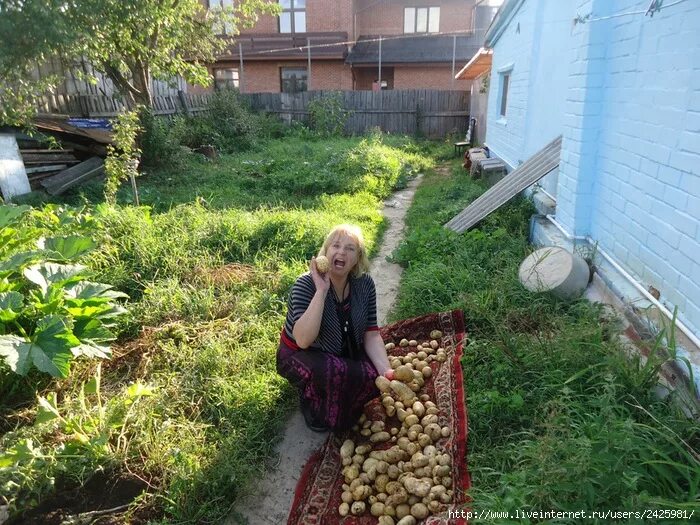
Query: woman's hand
[[389, 374], [321, 280]]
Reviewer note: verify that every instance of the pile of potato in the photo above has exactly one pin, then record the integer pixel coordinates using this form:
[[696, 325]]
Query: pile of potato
[[412, 479]]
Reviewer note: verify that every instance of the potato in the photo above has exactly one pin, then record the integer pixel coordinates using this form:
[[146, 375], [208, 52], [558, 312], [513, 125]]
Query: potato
[[403, 343], [407, 520], [402, 510], [419, 511], [403, 373], [377, 509], [419, 460], [434, 506], [351, 473], [380, 437], [405, 394], [424, 440], [441, 471], [381, 482], [413, 342], [390, 410], [418, 487], [347, 449], [435, 334], [383, 384], [422, 355], [389, 346], [428, 419], [393, 472], [432, 410], [377, 426], [358, 508], [362, 492], [411, 420], [343, 509], [322, 264], [365, 432], [363, 449], [445, 459], [434, 345], [445, 432], [433, 430], [385, 520], [427, 371], [396, 362]]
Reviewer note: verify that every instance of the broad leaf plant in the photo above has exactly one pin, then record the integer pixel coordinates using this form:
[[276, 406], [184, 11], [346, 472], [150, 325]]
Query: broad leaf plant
[[50, 312]]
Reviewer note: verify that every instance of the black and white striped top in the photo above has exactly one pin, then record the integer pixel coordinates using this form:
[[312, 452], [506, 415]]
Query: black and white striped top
[[363, 311]]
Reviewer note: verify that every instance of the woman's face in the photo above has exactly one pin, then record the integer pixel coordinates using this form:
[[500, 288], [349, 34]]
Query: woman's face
[[342, 254]]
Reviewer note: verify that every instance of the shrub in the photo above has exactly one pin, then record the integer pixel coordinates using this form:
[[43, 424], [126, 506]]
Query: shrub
[[327, 116]]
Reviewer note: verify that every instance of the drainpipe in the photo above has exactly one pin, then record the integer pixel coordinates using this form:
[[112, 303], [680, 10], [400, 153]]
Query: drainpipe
[[686, 331], [380, 63]]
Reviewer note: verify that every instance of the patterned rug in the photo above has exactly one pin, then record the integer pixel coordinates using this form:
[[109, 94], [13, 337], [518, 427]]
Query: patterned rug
[[318, 491]]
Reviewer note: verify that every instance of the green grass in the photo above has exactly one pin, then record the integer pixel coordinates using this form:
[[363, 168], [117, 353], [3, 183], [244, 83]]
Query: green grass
[[558, 417], [207, 265]]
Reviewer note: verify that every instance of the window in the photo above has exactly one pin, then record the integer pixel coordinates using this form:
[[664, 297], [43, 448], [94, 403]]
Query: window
[[225, 78], [225, 8], [421, 20], [293, 17], [505, 81], [293, 79]]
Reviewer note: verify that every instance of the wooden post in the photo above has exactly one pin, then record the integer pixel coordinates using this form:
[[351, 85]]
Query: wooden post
[[380, 63], [454, 53], [183, 102], [240, 71], [308, 67]]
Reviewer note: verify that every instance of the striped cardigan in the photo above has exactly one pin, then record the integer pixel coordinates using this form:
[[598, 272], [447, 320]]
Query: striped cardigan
[[363, 311]]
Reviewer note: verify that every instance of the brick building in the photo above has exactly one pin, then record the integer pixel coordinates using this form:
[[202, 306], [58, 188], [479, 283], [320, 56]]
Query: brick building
[[337, 44]]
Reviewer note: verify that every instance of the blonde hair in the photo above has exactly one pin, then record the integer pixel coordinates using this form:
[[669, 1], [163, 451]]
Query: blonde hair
[[355, 233]]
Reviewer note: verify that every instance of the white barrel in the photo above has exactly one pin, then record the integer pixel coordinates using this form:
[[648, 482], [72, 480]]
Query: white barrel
[[556, 270]]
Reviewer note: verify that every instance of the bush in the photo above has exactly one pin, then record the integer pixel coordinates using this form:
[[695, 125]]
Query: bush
[[327, 116], [160, 140]]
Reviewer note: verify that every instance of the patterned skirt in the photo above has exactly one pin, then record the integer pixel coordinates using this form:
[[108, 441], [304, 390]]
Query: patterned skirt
[[334, 388]]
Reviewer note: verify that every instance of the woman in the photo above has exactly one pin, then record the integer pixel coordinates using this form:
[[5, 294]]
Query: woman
[[330, 347]]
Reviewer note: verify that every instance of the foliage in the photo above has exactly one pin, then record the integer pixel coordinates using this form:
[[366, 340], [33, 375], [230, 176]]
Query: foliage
[[49, 312], [129, 42], [122, 154], [207, 267], [327, 115], [559, 416], [98, 433]]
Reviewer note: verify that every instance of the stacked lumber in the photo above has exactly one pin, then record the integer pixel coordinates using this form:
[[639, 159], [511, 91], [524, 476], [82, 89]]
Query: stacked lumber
[[41, 163]]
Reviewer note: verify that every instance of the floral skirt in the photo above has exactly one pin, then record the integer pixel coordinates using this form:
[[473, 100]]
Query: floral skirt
[[334, 389]]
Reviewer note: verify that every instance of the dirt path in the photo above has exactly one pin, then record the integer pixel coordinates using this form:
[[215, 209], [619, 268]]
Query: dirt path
[[274, 494]]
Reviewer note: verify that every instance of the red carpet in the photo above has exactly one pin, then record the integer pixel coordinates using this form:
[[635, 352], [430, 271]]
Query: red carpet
[[318, 491]]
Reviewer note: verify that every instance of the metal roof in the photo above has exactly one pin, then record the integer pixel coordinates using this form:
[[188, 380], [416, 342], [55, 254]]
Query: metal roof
[[532, 170], [413, 50], [477, 66]]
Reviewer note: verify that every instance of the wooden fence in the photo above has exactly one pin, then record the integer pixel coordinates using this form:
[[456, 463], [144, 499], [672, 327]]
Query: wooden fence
[[430, 113]]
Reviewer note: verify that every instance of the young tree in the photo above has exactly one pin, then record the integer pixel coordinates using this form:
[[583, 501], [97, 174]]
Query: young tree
[[130, 42]]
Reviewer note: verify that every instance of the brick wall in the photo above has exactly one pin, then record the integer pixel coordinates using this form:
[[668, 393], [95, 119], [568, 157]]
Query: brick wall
[[320, 16], [647, 187], [386, 18], [425, 77], [330, 75]]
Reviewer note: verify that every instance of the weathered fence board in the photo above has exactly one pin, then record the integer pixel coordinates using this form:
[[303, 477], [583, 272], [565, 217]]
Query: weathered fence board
[[430, 113]]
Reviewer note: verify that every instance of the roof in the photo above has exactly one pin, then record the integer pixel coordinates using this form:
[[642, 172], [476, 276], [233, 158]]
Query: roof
[[479, 64], [413, 49], [276, 46], [501, 21]]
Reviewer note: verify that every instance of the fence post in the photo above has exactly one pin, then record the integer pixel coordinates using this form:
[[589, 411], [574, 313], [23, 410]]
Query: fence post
[[183, 101]]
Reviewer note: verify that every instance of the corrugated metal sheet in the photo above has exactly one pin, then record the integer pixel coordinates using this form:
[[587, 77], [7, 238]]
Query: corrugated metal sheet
[[532, 170]]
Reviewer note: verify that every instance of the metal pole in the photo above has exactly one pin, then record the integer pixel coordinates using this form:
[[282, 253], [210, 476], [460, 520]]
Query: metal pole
[[454, 53], [240, 71], [380, 63], [308, 59]]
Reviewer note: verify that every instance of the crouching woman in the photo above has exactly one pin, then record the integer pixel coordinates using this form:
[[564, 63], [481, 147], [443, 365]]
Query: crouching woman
[[330, 346]]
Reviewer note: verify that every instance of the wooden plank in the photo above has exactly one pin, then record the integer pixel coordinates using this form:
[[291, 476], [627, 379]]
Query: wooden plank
[[73, 176], [46, 157], [532, 170], [42, 169]]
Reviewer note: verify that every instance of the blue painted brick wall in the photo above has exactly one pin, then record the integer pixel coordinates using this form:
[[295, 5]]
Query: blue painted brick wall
[[645, 204]]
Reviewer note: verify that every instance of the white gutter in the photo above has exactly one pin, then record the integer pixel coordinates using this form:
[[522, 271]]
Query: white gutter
[[683, 328]]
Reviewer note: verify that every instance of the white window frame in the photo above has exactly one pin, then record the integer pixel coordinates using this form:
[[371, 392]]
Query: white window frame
[[413, 15], [292, 11], [219, 28], [505, 80], [226, 77]]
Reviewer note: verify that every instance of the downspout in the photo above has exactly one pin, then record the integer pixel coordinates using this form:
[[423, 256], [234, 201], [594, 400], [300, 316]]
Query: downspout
[[683, 328]]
